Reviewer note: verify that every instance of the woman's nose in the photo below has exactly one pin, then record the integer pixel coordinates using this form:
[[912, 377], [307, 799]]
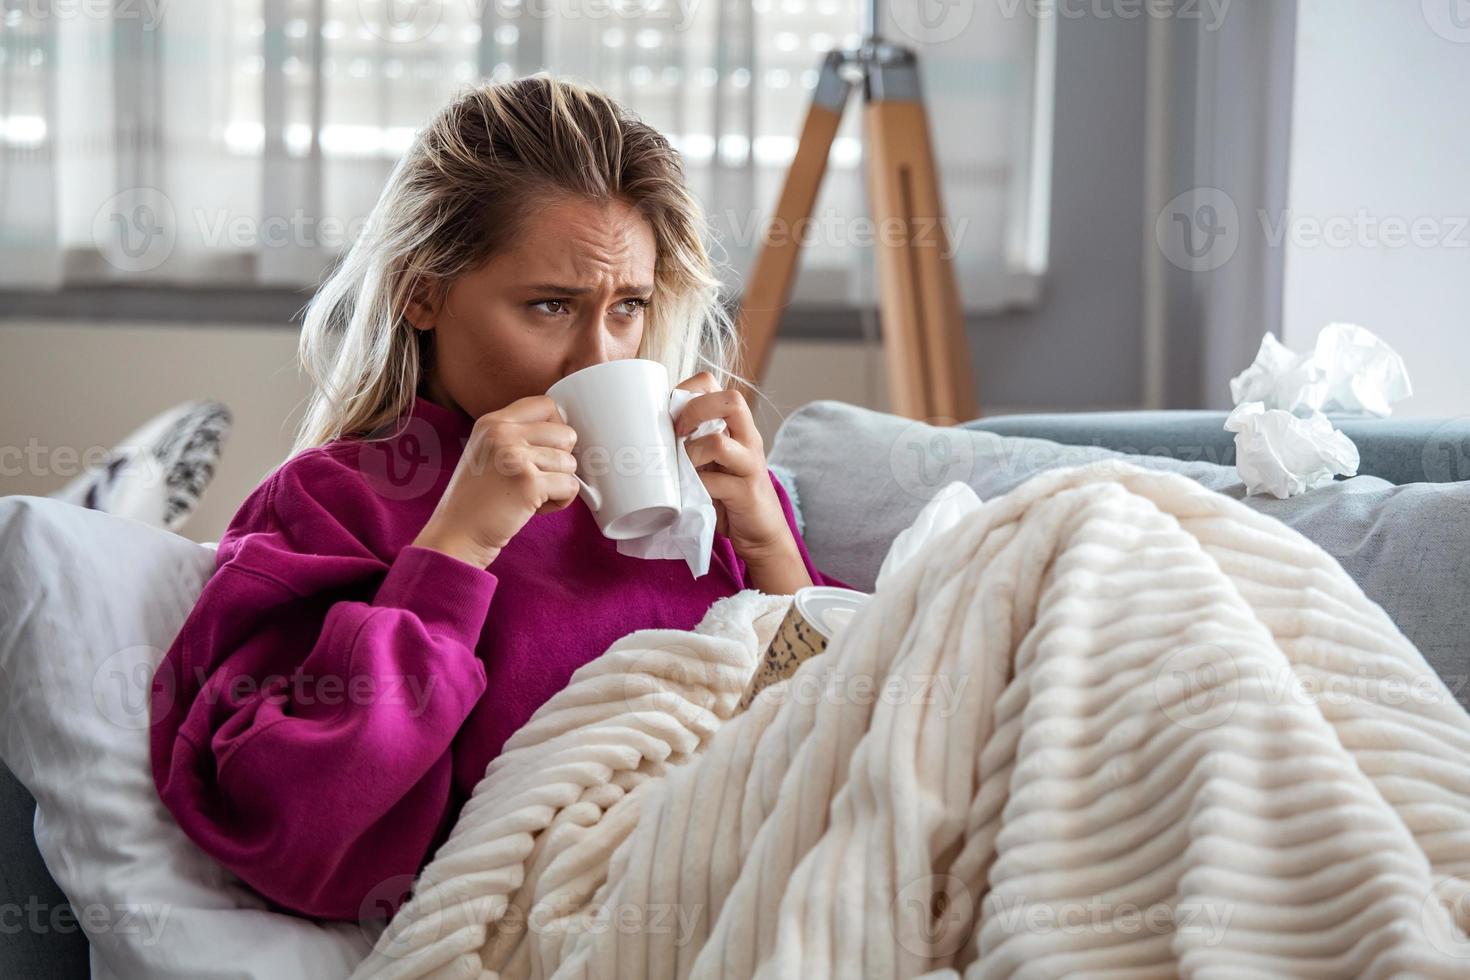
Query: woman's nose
[[591, 348]]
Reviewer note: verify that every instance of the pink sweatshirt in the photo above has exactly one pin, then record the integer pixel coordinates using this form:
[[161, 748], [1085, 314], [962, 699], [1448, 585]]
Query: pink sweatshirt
[[337, 692]]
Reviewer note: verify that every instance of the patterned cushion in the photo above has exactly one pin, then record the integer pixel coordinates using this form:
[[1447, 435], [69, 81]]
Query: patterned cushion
[[158, 472]]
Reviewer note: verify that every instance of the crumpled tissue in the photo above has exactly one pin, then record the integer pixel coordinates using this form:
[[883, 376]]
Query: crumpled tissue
[[1284, 444], [1283, 454], [1350, 371], [940, 514], [692, 534]]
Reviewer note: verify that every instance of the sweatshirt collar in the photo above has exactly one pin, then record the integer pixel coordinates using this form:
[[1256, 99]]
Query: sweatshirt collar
[[452, 425]]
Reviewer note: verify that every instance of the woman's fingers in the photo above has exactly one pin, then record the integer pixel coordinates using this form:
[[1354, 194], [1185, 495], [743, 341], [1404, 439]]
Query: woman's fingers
[[703, 381], [549, 460], [722, 450], [723, 404], [528, 461], [716, 402], [559, 488], [557, 435], [532, 408], [722, 486]]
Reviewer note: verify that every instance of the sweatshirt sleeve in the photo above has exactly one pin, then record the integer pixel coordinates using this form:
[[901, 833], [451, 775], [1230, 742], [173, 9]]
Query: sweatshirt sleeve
[[303, 717], [817, 577]]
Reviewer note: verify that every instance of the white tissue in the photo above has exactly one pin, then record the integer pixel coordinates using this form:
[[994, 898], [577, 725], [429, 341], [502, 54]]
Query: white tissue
[[1351, 370], [1282, 454], [1284, 445], [1363, 374], [1280, 378], [692, 534], [937, 516]]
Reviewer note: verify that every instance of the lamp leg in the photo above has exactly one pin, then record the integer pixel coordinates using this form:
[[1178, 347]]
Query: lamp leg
[[929, 370], [768, 288]]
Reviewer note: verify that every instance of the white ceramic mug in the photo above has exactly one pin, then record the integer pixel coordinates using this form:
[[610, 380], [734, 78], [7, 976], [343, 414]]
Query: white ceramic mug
[[626, 452]]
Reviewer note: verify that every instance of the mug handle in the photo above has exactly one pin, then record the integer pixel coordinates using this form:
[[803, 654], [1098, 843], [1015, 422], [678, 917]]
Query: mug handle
[[594, 499]]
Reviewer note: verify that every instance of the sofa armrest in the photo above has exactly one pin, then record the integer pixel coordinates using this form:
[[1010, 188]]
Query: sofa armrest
[[1399, 450]]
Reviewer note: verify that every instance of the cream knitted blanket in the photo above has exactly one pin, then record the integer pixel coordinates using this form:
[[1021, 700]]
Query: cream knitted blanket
[[1113, 725]]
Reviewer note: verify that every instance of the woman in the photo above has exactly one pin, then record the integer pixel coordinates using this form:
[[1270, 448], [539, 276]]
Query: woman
[[419, 577]]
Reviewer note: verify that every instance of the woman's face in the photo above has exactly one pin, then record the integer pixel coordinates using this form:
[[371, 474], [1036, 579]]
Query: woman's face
[[570, 293]]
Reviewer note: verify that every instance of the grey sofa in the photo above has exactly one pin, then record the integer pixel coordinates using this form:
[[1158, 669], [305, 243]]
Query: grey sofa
[[40, 940], [50, 945]]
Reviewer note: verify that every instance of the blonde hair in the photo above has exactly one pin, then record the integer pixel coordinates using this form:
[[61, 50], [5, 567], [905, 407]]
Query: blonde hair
[[460, 195]]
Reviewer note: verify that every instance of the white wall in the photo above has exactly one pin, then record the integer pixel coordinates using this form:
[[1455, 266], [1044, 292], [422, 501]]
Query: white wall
[[1380, 147]]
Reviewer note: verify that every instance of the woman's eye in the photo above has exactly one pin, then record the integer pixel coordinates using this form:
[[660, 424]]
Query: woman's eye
[[560, 305], [633, 306]]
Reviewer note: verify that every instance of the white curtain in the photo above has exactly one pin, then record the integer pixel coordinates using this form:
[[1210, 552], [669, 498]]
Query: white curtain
[[238, 142]]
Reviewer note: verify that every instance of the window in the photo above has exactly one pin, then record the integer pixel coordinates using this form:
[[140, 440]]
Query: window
[[244, 142]]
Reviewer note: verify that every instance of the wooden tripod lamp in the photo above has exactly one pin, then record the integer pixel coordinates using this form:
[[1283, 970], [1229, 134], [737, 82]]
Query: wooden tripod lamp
[[925, 352]]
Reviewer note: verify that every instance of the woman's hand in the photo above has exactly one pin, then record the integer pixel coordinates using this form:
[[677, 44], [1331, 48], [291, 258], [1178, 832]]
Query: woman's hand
[[732, 466], [518, 462]]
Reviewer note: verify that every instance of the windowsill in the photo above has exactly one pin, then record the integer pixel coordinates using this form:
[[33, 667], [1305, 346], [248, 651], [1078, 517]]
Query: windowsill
[[182, 305], [278, 307]]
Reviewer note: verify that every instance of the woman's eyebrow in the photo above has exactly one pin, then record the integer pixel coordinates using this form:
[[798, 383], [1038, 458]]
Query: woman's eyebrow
[[562, 290]]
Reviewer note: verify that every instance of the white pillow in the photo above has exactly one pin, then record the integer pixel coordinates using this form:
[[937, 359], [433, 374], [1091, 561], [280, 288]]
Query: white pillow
[[89, 602]]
